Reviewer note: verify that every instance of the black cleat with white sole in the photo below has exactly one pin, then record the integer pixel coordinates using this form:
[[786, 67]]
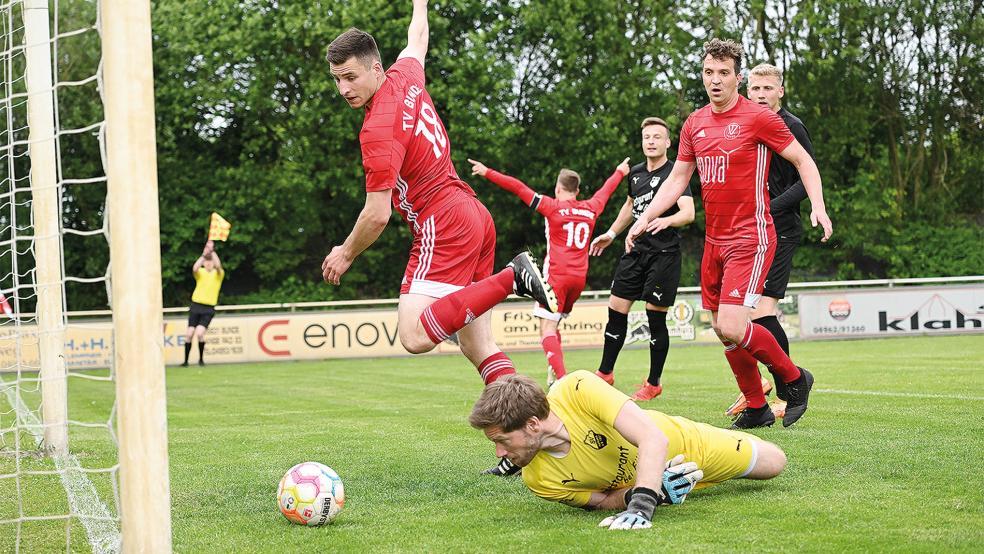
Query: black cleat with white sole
[[799, 394], [529, 282]]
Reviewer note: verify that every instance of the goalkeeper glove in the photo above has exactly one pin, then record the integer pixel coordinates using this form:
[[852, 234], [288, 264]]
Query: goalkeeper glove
[[679, 479], [639, 512]]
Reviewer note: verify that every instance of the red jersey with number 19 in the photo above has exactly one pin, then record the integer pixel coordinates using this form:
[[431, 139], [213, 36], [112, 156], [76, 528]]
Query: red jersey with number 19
[[732, 152], [405, 147]]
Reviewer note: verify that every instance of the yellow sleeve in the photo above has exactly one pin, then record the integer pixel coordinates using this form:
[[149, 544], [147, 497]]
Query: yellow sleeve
[[594, 397]]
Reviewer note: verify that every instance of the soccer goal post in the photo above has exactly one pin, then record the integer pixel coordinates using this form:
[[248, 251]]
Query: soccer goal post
[[128, 83]]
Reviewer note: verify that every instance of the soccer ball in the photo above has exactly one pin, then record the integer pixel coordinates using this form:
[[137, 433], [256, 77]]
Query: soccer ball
[[311, 494]]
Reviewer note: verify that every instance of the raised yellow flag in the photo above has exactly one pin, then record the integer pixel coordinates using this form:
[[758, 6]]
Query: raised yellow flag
[[219, 228]]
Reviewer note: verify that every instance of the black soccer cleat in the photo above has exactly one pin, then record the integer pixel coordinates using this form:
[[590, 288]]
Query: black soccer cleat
[[504, 468], [781, 392], [750, 418], [799, 395], [529, 282]]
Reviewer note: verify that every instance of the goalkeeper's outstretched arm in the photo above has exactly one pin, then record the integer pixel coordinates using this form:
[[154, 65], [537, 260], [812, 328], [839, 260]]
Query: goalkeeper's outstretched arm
[[418, 33]]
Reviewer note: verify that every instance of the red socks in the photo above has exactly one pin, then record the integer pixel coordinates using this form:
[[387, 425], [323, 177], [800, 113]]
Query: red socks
[[449, 314], [495, 366], [760, 343], [746, 371], [555, 357]]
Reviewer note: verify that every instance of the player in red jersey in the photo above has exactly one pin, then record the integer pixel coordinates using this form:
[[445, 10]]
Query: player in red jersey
[[729, 141], [569, 224], [448, 286]]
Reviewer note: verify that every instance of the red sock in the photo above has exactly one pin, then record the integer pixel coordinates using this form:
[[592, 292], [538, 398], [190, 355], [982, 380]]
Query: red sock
[[746, 371], [449, 314], [760, 343], [555, 357], [495, 366]]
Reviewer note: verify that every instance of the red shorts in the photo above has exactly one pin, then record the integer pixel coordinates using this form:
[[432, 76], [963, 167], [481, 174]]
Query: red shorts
[[454, 248], [734, 273], [568, 289]]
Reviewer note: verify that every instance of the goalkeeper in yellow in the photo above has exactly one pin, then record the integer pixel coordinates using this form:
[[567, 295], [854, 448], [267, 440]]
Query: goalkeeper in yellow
[[587, 445]]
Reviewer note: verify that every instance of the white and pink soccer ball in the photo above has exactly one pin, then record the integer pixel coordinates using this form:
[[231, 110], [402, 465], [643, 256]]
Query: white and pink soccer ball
[[311, 494]]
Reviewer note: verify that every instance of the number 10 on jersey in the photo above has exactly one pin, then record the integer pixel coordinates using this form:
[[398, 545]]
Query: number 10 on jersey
[[577, 234]]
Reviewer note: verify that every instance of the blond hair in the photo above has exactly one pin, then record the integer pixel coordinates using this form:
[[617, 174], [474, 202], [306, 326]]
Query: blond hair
[[655, 121], [509, 403], [767, 70], [569, 179]]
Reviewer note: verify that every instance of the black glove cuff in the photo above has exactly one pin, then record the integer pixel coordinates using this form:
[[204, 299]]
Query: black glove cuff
[[628, 495], [643, 501]]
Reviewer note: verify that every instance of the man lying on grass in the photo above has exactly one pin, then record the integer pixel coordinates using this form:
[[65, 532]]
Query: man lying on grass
[[586, 445]]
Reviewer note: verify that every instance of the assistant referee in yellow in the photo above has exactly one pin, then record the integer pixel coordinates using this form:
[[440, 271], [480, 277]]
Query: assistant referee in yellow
[[585, 444], [208, 274]]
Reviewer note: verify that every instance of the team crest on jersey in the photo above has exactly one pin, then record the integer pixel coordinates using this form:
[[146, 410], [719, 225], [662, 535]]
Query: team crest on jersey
[[595, 440], [731, 131], [635, 179]]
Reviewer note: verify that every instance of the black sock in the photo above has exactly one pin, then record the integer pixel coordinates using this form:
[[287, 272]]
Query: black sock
[[771, 323], [187, 350], [659, 344], [618, 324], [201, 351]]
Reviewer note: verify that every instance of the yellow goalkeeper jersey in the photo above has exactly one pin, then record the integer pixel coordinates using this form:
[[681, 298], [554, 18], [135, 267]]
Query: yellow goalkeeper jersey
[[207, 286], [601, 459]]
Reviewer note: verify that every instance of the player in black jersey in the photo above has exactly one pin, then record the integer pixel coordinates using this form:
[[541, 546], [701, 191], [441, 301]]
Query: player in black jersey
[[651, 270], [786, 191]]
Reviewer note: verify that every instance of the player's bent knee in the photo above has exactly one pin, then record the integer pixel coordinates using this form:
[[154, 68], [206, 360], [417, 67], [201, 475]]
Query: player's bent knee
[[414, 343], [770, 462]]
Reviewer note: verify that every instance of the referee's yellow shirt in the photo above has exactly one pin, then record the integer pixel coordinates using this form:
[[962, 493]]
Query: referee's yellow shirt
[[208, 284], [601, 459]]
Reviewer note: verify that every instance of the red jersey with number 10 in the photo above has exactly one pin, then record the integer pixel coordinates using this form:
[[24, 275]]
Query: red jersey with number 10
[[569, 223], [405, 147], [732, 152]]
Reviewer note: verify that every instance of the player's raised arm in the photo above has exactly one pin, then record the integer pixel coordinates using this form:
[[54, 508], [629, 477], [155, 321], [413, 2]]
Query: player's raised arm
[[505, 182], [810, 175], [668, 194], [417, 34]]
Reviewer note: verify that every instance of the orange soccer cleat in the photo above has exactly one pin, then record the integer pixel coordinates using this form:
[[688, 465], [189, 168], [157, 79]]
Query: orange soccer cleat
[[647, 392], [607, 377], [779, 409], [740, 404]]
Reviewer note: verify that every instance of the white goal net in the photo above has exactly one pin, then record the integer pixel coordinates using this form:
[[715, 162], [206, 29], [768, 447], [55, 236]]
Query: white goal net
[[62, 486]]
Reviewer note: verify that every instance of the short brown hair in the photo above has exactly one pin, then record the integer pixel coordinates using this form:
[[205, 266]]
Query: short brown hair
[[509, 403], [724, 50], [353, 42], [767, 70], [569, 179], [655, 121]]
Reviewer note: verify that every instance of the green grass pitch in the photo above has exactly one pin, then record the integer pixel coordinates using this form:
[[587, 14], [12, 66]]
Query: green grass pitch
[[888, 458]]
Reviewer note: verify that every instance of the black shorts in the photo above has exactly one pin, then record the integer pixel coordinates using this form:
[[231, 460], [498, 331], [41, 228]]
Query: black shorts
[[650, 276], [782, 264], [200, 314]]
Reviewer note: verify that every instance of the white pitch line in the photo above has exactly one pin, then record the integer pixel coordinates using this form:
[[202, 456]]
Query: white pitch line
[[902, 394], [83, 499]]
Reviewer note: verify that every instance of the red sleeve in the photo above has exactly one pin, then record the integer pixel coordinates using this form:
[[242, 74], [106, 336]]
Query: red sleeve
[[685, 150], [384, 141], [410, 68], [519, 188], [772, 131], [601, 197]]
